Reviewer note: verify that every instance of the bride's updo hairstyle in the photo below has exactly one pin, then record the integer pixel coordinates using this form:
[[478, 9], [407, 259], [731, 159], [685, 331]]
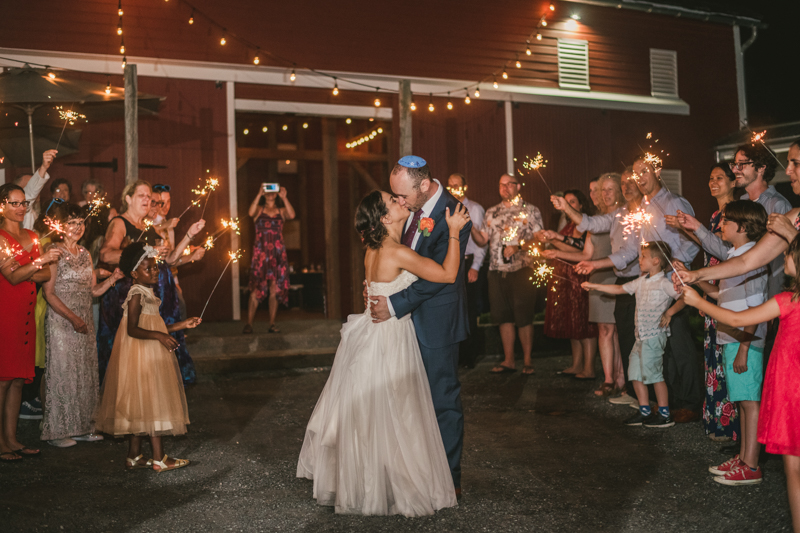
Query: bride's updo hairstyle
[[368, 220]]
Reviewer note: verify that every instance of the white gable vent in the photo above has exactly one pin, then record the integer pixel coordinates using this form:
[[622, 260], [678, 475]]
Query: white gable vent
[[573, 64], [672, 180], [663, 73]]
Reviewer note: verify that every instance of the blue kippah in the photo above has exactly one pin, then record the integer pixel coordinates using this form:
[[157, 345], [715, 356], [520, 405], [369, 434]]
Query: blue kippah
[[412, 161]]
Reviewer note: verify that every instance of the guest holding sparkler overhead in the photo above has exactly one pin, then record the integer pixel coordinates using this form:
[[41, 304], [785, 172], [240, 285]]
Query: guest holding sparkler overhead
[[33, 185], [130, 227], [681, 360], [623, 259], [601, 306], [512, 297], [269, 268], [567, 312], [21, 266], [71, 385]]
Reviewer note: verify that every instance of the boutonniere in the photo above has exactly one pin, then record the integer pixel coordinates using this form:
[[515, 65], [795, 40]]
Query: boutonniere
[[425, 226]]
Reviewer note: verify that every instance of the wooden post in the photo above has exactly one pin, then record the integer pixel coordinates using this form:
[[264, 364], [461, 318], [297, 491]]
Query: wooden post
[[131, 124], [356, 247], [330, 193], [405, 117]]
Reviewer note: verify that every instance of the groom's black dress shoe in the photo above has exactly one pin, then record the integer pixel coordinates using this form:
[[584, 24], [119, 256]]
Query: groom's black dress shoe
[[458, 493]]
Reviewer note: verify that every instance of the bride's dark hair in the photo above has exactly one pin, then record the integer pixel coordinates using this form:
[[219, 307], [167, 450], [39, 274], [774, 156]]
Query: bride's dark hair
[[368, 219]]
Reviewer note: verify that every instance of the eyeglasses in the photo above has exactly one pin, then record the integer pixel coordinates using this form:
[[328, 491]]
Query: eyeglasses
[[156, 204], [740, 166], [24, 204], [161, 188], [76, 223]]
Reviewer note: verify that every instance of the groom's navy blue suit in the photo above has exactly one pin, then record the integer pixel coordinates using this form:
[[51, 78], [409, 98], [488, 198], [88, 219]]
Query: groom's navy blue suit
[[439, 312]]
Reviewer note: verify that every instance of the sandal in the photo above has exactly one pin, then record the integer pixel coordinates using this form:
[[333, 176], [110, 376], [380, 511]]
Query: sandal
[[134, 464], [273, 329], [528, 370], [162, 464], [502, 369], [247, 330], [606, 389], [30, 453], [11, 457]]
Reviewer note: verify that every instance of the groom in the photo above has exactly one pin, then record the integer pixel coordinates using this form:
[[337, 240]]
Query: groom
[[439, 310]]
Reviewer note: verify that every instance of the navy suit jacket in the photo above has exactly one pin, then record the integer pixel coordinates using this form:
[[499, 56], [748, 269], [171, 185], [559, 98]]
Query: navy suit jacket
[[439, 310]]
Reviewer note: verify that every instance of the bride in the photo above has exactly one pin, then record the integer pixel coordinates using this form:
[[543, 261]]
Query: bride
[[372, 445]]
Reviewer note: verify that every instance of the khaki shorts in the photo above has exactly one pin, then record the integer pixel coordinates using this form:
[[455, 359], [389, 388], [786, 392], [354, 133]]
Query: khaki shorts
[[512, 297]]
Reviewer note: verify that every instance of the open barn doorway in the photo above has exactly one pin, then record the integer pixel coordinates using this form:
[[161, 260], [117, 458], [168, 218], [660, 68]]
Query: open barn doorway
[[326, 171]]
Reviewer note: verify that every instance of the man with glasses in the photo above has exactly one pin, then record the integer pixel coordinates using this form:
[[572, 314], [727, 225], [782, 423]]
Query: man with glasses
[[33, 185], [512, 296], [166, 199]]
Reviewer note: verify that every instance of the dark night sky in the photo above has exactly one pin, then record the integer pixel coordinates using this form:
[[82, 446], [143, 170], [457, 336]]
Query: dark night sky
[[771, 64]]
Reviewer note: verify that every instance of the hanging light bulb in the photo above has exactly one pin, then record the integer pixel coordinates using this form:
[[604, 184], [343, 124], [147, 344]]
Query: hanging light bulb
[[108, 87], [552, 7], [52, 75], [264, 129], [494, 83], [119, 27], [292, 76], [348, 120], [335, 87], [505, 74], [413, 106], [191, 17], [518, 64], [256, 60], [467, 100], [430, 104], [119, 8], [449, 106], [544, 22], [538, 36], [377, 101], [124, 61], [477, 92], [528, 49], [223, 41], [122, 48]]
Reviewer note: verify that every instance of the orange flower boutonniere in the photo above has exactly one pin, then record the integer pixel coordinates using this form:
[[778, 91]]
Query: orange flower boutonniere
[[425, 226]]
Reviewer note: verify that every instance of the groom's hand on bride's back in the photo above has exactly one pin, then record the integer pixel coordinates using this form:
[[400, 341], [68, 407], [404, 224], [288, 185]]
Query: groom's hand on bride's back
[[380, 309]]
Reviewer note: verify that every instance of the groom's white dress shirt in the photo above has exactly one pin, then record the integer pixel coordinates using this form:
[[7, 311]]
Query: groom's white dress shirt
[[426, 209]]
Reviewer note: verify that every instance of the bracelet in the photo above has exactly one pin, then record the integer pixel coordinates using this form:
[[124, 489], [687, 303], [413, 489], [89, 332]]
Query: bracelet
[[190, 236], [455, 238]]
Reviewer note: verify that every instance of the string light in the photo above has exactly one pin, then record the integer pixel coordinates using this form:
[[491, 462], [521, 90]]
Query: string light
[[449, 103], [285, 127], [552, 7], [305, 125], [119, 26], [538, 36], [364, 138], [518, 64], [413, 107], [505, 74], [335, 87], [264, 129], [246, 131], [377, 101], [430, 105], [477, 92], [52, 75], [348, 120], [124, 61], [494, 83], [119, 8], [122, 47], [466, 98], [292, 76], [108, 87], [256, 60], [528, 49], [191, 17], [544, 22], [223, 41]]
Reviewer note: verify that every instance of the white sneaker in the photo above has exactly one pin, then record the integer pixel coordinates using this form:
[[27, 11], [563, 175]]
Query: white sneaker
[[624, 399], [62, 443], [89, 437]]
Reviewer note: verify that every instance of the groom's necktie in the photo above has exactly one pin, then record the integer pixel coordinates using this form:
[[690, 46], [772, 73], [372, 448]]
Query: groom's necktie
[[408, 236]]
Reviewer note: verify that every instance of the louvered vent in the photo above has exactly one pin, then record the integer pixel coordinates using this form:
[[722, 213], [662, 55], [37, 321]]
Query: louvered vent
[[672, 180], [573, 64], [663, 73]]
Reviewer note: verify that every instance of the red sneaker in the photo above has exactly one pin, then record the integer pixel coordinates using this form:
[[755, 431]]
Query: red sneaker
[[743, 475], [727, 466]]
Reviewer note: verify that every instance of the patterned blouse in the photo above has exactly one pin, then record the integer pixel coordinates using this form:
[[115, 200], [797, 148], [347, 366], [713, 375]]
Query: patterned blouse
[[508, 226]]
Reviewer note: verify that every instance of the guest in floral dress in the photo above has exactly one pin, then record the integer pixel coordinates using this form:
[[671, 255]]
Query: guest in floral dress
[[269, 273], [71, 379], [720, 417]]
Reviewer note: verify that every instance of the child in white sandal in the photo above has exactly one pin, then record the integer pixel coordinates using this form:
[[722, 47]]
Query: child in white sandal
[[143, 391]]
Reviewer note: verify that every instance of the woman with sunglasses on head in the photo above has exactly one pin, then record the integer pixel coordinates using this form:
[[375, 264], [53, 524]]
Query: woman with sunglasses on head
[[125, 229], [21, 267]]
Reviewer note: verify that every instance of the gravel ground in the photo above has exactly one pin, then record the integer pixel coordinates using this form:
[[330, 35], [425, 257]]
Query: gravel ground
[[541, 454]]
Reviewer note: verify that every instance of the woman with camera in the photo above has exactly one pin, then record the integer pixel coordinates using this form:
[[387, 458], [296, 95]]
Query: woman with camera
[[269, 268]]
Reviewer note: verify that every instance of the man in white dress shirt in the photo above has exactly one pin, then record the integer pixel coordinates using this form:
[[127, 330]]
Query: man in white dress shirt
[[33, 185]]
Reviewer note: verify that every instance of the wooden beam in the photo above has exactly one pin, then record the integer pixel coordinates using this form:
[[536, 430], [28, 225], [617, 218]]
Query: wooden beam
[[330, 193], [356, 246], [365, 177], [405, 118], [305, 155], [131, 124]]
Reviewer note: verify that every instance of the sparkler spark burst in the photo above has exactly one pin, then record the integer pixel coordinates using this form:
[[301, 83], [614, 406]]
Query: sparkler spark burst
[[510, 234], [70, 116], [235, 256], [209, 244], [534, 163], [542, 274], [55, 226], [649, 136], [758, 137], [232, 224], [633, 222]]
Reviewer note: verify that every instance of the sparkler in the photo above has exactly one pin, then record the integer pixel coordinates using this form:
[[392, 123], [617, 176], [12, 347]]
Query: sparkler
[[147, 223], [205, 190], [209, 244], [232, 224], [69, 117], [534, 164], [211, 186], [234, 258], [96, 204], [759, 138]]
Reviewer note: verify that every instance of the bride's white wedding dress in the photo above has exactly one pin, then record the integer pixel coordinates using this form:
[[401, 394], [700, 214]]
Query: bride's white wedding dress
[[372, 445]]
